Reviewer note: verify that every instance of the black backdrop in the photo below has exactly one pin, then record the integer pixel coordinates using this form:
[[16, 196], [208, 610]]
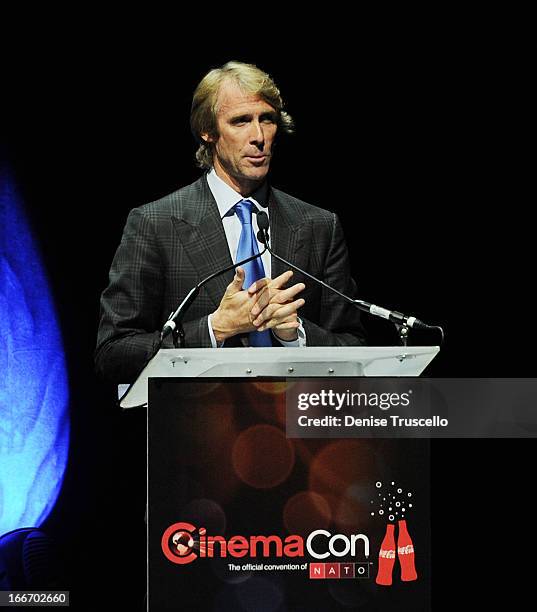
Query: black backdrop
[[410, 148]]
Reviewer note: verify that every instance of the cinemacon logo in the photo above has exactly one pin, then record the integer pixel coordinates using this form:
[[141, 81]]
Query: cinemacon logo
[[183, 543]]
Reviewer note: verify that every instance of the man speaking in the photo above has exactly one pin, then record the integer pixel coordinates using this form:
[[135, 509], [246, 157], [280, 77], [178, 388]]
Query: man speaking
[[170, 245]]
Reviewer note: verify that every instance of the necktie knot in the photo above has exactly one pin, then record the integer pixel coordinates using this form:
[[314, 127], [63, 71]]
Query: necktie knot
[[244, 211]]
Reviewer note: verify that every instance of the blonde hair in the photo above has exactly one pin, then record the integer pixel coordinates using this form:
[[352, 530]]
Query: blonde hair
[[251, 80]]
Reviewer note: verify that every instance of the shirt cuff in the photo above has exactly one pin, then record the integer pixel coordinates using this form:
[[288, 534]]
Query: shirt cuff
[[300, 341], [214, 343]]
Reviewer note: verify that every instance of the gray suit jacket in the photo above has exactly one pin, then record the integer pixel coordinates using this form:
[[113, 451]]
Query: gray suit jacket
[[171, 244]]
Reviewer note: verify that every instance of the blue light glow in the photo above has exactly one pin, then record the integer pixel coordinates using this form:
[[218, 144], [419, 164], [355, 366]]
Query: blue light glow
[[34, 420]]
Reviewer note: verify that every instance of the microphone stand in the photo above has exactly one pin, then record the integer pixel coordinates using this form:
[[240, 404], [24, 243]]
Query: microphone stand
[[402, 332], [402, 322], [174, 324]]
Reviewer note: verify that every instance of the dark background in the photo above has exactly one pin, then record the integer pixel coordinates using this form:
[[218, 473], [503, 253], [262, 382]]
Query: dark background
[[412, 145]]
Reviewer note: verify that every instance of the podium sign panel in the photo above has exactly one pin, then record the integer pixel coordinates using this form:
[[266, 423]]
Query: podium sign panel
[[241, 517]]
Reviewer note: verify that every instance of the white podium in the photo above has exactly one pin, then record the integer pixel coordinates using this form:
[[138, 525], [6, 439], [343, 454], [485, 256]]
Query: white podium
[[323, 362]]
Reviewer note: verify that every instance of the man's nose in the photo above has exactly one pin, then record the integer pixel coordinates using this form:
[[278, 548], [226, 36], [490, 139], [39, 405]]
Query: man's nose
[[257, 135]]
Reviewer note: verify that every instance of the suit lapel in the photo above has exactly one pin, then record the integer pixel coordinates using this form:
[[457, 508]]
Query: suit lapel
[[198, 224], [196, 220], [289, 233]]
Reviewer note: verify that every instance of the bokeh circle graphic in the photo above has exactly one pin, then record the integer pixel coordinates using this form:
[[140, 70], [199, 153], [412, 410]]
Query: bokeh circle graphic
[[262, 456]]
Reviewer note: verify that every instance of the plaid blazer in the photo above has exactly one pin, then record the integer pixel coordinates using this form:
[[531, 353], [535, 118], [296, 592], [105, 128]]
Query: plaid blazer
[[171, 244]]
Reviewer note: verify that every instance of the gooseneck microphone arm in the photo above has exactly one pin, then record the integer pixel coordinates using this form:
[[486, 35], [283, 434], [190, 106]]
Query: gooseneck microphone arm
[[401, 321], [173, 324]]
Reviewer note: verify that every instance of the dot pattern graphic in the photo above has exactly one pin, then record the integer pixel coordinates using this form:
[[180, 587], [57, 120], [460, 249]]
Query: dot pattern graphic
[[391, 496]]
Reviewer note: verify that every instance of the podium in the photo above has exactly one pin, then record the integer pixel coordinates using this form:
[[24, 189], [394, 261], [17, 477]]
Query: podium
[[239, 513], [279, 362]]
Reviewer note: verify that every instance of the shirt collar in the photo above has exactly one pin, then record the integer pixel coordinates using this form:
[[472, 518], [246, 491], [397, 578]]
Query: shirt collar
[[226, 197]]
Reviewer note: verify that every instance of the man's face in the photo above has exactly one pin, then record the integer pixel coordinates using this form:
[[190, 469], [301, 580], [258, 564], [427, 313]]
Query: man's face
[[246, 129]]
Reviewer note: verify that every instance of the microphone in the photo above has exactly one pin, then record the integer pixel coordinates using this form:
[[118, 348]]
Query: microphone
[[175, 318], [392, 315], [263, 225]]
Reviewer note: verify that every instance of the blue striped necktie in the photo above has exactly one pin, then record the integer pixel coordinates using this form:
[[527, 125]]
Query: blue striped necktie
[[254, 269]]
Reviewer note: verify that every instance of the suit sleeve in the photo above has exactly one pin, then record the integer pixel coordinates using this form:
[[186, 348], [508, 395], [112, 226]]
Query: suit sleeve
[[337, 323], [132, 306]]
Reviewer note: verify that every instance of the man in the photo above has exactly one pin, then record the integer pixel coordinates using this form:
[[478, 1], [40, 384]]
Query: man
[[169, 245]]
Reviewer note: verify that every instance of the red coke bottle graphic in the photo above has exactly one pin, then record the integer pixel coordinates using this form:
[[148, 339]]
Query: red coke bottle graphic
[[405, 550], [386, 557]]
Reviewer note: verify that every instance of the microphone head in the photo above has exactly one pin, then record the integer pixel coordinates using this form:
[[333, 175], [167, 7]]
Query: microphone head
[[262, 220], [263, 224]]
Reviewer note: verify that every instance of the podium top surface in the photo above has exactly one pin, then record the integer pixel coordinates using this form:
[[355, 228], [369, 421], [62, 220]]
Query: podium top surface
[[281, 362]]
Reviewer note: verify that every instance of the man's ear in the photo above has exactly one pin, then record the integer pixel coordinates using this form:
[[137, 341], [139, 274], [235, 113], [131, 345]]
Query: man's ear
[[207, 137]]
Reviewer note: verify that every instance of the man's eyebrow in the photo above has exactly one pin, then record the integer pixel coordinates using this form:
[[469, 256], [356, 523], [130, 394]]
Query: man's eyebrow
[[243, 117], [248, 116]]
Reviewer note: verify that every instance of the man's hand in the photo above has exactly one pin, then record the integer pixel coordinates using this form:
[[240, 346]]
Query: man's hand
[[234, 314], [275, 308]]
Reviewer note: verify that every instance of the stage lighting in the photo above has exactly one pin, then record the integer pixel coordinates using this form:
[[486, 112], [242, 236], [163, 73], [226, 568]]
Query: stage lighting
[[34, 420]]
